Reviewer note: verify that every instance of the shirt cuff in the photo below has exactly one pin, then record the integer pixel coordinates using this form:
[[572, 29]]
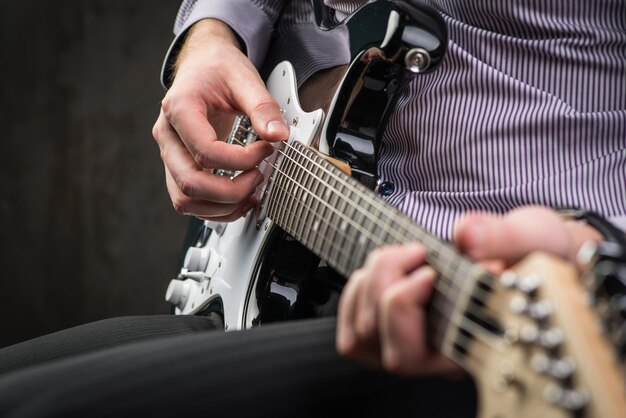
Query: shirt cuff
[[245, 18]]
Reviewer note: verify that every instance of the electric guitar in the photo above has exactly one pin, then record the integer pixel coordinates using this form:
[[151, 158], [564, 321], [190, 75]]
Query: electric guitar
[[530, 337]]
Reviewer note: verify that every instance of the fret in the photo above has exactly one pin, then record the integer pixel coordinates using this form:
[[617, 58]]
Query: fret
[[439, 259], [362, 237], [457, 306], [350, 232], [440, 307], [342, 226], [274, 197], [322, 229], [328, 246], [439, 313], [306, 199], [295, 174], [283, 182], [316, 208], [373, 215], [398, 224], [341, 221], [311, 201], [322, 195], [296, 201], [333, 221], [294, 194], [385, 221], [356, 236]]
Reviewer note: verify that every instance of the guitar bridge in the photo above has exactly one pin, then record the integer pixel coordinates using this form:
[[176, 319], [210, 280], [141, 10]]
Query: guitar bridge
[[242, 133]]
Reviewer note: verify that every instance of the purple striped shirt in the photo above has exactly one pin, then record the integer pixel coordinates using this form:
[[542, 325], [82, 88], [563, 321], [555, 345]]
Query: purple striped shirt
[[528, 107]]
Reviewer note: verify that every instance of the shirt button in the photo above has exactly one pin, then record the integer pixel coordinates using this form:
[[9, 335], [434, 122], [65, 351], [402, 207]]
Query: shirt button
[[386, 188]]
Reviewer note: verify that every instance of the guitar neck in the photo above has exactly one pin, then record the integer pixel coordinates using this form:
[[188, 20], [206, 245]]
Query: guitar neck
[[342, 221]]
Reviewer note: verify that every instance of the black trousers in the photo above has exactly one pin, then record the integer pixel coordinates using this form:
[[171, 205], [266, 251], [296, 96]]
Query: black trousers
[[171, 366]]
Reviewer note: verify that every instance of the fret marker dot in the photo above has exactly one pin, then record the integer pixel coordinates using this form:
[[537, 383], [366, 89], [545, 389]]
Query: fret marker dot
[[327, 194], [343, 225], [362, 239], [316, 225]]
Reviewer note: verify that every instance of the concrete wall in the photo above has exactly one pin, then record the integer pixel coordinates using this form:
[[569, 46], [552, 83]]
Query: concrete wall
[[87, 229]]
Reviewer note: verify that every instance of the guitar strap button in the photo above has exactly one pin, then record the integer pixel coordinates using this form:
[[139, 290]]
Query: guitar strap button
[[386, 188]]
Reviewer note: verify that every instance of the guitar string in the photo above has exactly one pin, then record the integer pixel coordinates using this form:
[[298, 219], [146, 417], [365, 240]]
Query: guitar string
[[368, 199], [330, 243], [471, 308], [481, 296], [330, 188], [459, 325], [373, 238], [462, 322], [479, 293], [372, 202]]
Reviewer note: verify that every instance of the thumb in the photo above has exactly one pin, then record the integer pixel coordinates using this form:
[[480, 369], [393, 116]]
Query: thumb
[[250, 94], [511, 237]]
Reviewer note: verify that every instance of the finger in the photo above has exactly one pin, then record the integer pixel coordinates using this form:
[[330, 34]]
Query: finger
[[347, 343], [403, 327], [196, 183], [249, 92], [345, 334], [402, 322], [386, 265], [218, 212], [241, 211], [187, 116], [519, 232]]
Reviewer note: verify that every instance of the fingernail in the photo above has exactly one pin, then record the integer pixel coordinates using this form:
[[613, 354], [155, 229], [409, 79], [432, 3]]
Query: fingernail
[[276, 127]]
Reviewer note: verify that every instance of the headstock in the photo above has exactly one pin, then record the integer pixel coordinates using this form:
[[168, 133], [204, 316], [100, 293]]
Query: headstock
[[556, 349]]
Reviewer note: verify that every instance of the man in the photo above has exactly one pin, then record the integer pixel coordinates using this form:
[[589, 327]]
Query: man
[[517, 107], [548, 78]]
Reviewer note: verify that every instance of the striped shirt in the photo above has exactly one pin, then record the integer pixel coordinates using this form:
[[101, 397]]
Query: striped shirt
[[528, 106]]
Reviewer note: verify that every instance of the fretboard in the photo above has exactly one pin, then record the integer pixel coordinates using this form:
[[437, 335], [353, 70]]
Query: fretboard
[[342, 221]]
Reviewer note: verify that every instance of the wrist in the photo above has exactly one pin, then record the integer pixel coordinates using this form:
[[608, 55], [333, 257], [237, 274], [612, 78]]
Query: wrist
[[206, 32]]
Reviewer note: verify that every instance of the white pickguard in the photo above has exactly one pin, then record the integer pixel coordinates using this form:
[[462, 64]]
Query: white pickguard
[[233, 249]]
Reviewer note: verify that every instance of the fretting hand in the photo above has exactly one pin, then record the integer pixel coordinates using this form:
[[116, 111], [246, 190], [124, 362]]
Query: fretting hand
[[382, 318]]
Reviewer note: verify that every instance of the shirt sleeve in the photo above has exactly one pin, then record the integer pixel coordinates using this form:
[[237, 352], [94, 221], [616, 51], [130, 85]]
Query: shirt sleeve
[[252, 20]]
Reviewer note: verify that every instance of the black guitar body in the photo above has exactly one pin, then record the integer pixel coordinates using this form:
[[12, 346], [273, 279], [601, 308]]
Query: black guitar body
[[371, 57]]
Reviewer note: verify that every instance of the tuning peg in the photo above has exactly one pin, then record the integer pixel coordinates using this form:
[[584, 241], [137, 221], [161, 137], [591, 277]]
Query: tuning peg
[[558, 368], [529, 284], [571, 400], [539, 311], [508, 279], [551, 338]]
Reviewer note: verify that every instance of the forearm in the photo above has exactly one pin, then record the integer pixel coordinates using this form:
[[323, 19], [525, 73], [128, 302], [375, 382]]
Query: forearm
[[203, 33], [252, 20]]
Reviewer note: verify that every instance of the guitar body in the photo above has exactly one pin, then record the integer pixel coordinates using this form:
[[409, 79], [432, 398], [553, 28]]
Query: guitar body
[[234, 255], [249, 271]]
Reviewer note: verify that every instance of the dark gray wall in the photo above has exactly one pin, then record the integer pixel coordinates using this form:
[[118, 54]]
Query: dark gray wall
[[87, 230]]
